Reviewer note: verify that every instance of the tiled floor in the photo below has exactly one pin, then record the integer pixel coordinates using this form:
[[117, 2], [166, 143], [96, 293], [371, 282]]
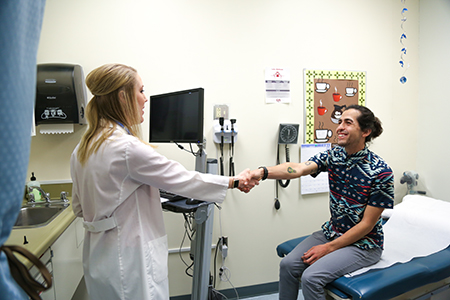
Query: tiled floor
[[265, 297], [272, 297]]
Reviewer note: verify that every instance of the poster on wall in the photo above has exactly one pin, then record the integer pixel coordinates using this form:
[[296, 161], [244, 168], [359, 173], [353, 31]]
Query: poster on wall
[[327, 94], [277, 85]]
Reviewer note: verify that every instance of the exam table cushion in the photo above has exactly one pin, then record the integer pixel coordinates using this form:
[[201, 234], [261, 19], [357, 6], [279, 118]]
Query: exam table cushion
[[389, 282]]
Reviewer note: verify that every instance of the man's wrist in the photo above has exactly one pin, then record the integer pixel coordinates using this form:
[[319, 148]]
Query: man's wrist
[[265, 173]]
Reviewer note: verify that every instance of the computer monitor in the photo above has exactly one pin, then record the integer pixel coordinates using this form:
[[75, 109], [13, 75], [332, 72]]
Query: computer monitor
[[177, 117]]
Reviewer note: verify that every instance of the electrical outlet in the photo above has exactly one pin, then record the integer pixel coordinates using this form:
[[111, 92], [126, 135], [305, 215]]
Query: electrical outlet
[[224, 251], [223, 246], [221, 111]]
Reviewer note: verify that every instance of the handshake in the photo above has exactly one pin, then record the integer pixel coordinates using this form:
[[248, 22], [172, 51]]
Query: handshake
[[249, 179], [285, 171]]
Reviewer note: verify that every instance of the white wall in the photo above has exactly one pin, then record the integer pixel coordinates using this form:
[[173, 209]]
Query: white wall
[[434, 103], [224, 47]]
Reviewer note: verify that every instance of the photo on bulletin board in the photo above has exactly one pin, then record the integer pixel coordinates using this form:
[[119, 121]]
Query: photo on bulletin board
[[327, 94]]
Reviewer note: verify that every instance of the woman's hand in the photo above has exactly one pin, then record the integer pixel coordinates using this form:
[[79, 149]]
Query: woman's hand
[[246, 181]]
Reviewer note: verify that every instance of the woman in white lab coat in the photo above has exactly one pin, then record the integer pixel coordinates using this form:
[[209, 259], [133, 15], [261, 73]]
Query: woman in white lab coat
[[116, 181]]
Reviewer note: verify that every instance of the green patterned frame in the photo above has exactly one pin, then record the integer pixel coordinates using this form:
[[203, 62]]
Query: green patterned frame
[[310, 75]]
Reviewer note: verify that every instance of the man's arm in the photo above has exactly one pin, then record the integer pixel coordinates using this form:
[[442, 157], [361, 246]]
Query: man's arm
[[354, 234], [288, 170]]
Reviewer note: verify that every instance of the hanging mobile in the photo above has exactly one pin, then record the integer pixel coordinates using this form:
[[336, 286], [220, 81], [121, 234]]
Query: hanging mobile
[[403, 63], [288, 134]]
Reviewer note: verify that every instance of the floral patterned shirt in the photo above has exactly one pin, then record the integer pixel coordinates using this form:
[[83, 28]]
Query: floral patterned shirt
[[356, 181]]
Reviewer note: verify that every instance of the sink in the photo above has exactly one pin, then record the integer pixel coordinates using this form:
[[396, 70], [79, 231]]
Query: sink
[[38, 216]]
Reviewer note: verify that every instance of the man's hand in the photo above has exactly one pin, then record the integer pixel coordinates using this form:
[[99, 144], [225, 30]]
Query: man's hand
[[257, 174], [316, 252]]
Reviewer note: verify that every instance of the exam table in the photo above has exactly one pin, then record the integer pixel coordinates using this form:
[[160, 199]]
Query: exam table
[[385, 283], [389, 282]]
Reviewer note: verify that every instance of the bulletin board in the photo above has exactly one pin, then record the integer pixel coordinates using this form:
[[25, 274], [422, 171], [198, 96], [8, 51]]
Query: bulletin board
[[327, 94]]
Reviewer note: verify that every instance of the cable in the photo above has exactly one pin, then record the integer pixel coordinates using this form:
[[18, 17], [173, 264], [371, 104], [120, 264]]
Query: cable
[[215, 260], [190, 145], [232, 173], [187, 225], [218, 243], [189, 232], [216, 293], [189, 268], [225, 276], [284, 185], [220, 218], [225, 273], [221, 122], [277, 204]]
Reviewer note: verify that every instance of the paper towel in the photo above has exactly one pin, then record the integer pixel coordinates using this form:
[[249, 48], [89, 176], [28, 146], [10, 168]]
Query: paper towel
[[419, 226], [55, 128]]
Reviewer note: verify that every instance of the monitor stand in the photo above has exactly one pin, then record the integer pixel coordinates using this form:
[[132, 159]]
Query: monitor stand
[[202, 242]]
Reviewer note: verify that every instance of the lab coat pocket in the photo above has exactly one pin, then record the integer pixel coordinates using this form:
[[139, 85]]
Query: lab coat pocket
[[158, 266]]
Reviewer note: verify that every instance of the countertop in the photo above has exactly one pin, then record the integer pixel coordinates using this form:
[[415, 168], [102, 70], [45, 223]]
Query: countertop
[[38, 240]]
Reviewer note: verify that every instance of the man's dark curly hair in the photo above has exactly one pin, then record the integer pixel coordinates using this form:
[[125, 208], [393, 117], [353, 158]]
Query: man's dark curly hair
[[367, 120]]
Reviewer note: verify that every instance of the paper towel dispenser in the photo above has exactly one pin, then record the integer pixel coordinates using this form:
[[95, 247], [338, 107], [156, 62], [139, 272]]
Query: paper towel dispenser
[[60, 94]]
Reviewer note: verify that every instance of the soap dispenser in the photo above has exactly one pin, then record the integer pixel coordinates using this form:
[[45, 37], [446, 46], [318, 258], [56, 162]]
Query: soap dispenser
[[33, 183]]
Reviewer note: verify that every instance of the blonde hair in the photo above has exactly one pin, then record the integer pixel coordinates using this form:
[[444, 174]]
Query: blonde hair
[[114, 101]]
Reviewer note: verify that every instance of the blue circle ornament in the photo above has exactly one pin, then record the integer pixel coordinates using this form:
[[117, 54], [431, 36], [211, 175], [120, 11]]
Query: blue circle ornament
[[403, 79]]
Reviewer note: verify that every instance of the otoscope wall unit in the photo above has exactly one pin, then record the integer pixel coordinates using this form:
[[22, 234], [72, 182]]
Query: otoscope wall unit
[[227, 128]]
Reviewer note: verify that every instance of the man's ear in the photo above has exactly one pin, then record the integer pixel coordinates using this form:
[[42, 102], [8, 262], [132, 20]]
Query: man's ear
[[366, 133]]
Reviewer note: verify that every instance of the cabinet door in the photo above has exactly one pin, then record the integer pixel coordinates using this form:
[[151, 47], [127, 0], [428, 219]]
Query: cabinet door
[[46, 259], [67, 261]]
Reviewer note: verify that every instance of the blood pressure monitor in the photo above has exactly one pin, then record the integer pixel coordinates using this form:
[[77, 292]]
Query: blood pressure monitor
[[288, 134]]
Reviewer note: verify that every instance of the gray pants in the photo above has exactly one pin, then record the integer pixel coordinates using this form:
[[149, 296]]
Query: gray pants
[[330, 267]]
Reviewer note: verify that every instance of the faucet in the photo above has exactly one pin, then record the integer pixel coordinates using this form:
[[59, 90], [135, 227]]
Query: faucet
[[63, 197], [44, 194]]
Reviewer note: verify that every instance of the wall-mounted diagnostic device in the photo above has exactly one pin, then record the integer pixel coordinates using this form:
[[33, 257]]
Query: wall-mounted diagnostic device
[[411, 180], [287, 134], [225, 132], [228, 130]]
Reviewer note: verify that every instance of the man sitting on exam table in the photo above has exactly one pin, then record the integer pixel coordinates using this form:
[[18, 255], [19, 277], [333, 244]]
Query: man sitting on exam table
[[361, 187]]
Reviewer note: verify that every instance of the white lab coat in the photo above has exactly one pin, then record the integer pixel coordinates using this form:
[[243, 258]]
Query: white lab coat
[[117, 194]]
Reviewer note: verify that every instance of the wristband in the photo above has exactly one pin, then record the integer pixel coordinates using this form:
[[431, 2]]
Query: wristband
[[236, 183], [266, 172]]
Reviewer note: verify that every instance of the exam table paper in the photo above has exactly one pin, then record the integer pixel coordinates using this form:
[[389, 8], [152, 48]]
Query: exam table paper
[[419, 226]]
